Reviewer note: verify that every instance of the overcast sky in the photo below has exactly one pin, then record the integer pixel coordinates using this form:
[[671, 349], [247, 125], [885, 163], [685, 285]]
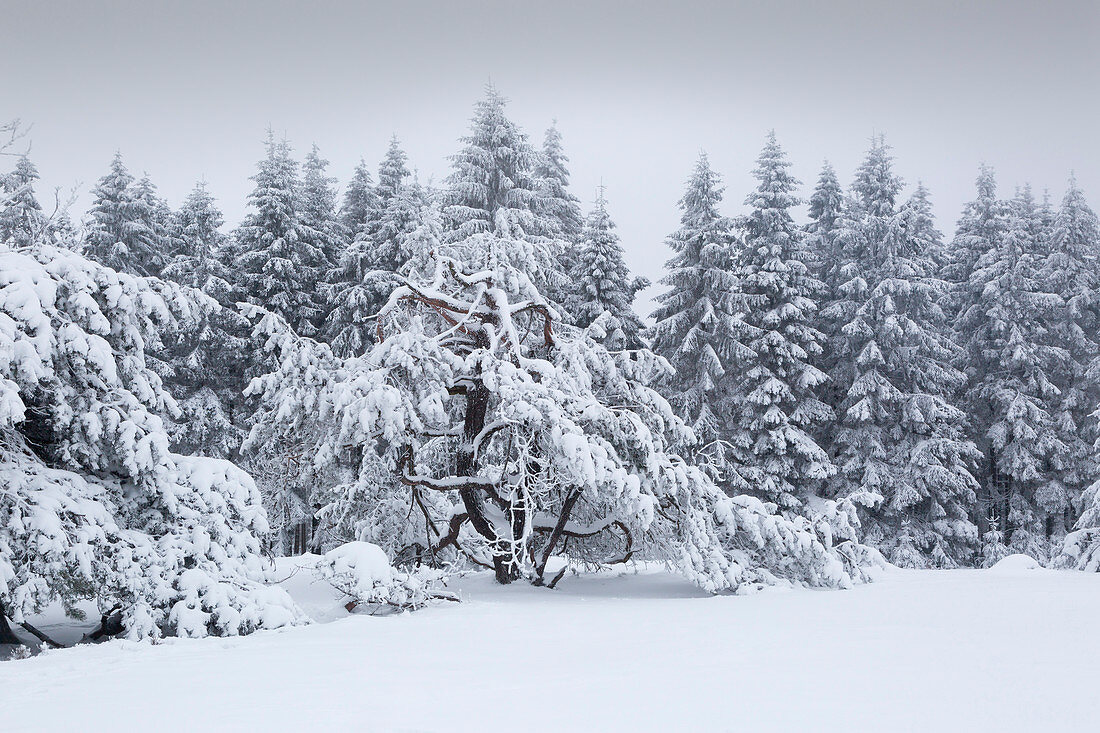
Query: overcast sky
[[186, 89]]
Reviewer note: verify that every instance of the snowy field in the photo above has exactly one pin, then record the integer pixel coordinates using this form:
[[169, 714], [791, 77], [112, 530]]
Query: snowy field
[[1007, 649]]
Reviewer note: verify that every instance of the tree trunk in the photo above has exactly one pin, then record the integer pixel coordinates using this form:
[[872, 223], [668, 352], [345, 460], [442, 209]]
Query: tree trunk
[[7, 636], [477, 404]]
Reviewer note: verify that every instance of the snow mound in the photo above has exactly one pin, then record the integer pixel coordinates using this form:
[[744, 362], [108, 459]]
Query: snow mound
[[364, 564], [1013, 564], [363, 571]]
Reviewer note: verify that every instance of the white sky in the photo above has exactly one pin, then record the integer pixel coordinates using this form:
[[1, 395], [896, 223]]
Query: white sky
[[186, 90]]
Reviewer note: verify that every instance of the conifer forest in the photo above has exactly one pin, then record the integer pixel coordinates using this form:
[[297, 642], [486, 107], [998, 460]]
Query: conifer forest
[[425, 452]]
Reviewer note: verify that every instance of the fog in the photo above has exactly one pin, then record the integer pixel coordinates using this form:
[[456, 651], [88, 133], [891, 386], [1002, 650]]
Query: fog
[[186, 90]]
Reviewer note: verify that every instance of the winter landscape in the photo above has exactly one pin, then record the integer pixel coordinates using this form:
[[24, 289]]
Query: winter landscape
[[445, 440]]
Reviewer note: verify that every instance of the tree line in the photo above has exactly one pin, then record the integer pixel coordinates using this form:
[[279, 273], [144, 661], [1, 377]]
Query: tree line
[[470, 355]]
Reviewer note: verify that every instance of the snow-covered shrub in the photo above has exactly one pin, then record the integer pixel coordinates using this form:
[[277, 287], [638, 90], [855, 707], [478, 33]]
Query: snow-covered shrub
[[362, 571], [1081, 549], [92, 502], [539, 439]]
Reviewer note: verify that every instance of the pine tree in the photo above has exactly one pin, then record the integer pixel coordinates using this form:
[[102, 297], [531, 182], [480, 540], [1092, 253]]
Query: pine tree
[[368, 271], [520, 431], [602, 282], [776, 406], [900, 442], [208, 363], [125, 231], [1010, 364], [318, 208], [22, 222], [93, 504], [361, 202], [825, 209], [493, 207], [699, 327], [393, 172], [278, 264], [558, 204]]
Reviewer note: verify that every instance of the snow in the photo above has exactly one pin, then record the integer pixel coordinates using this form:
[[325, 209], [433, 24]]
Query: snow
[[916, 650], [1015, 565]]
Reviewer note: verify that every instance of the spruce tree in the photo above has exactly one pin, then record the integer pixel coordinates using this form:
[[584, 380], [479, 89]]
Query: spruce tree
[[602, 282], [208, 363], [699, 329], [1072, 270], [360, 204], [318, 208], [493, 207], [899, 441], [278, 265], [22, 222], [825, 207], [776, 406], [558, 204], [978, 232], [393, 172], [1011, 366], [125, 229], [368, 270]]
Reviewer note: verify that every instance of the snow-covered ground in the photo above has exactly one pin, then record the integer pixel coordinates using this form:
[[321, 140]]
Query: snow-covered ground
[[1007, 649]]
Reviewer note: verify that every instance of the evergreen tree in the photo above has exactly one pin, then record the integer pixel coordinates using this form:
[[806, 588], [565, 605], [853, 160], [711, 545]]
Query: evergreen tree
[[93, 504], [900, 442], [826, 205], [602, 282], [361, 202], [318, 208], [1011, 365], [278, 264], [493, 206], [22, 222], [978, 232], [208, 362], [125, 231], [776, 404], [558, 204], [393, 172], [368, 271], [699, 327], [1072, 270]]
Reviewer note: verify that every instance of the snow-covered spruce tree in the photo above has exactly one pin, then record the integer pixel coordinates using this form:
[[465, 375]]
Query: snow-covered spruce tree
[[493, 206], [776, 406], [367, 272], [826, 203], [22, 221], [700, 329], [93, 505], [360, 204], [123, 231], [206, 364], [978, 231], [277, 264], [1011, 364], [539, 440], [900, 442], [1072, 270], [926, 475], [601, 282], [393, 172], [320, 223], [560, 206]]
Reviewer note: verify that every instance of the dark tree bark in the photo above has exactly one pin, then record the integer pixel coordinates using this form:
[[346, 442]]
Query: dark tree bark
[[7, 636], [477, 404]]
